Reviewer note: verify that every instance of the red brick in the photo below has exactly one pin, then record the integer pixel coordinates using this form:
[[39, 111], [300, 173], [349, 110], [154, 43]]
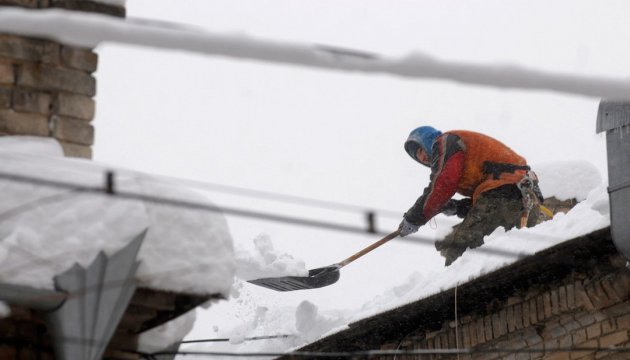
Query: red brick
[[610, 291], [22, 3], [23, 124], [76, 106], [526, 316], [608, 326], [571, 296], [75, 150], [72, 130], [616, 338], [562, 298], [464, 336], [5, 97], [7, 75], [518, 316], [540, 308], [480, 331], [29, 49], [487, 322], [80, 59], [547, 305], [555, 302], [623, 322], [511, 320], [56, 79], [26, 100], [579, 337], [581, 298], [594, 331], [621, 284], [7, 352]]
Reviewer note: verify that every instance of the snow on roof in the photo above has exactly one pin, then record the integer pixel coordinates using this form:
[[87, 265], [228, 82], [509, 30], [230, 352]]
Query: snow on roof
[[564, 180], [45, 230]]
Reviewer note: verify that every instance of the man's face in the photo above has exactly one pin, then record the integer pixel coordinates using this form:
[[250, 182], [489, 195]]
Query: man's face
[[422, 156]]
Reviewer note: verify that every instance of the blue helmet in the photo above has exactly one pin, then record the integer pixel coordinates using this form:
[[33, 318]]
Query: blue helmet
[[424, 136]]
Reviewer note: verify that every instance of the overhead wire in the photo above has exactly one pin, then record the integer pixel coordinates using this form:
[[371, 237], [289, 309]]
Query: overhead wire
[[233, 190], [108, 190], [391, 353]]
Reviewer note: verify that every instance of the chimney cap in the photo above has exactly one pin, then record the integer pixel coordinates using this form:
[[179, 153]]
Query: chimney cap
[[613, 114]]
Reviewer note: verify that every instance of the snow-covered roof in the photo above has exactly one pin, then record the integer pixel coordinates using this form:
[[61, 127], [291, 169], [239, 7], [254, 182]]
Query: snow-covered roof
[[45, 230], [560, 179]]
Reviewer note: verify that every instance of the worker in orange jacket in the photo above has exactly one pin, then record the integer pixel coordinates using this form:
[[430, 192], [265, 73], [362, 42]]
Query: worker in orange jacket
[[498, 186]]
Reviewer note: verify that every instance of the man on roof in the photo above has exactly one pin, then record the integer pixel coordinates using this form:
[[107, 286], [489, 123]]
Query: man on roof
[[498, 187]]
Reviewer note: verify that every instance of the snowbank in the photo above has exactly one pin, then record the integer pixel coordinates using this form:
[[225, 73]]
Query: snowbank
[[264, 261], [44, 230], [570, 179], [567, 179]]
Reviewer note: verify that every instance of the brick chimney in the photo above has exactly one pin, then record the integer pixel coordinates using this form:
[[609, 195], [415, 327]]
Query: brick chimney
[[46, 87]]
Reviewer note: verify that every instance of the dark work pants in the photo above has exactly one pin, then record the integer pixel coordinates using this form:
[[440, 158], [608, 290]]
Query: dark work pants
[[502, 206]]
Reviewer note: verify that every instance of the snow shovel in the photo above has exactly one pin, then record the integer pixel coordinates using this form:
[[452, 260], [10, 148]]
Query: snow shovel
[[319, 277]]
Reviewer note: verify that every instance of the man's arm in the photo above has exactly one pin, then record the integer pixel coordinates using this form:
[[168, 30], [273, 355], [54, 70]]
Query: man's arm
[[447, 164]]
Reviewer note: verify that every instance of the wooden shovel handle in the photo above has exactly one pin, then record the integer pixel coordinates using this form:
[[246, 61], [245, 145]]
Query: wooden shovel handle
[[369, 248]]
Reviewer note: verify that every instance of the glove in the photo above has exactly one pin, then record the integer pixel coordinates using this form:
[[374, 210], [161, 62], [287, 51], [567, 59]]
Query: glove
[[457, 207], [406, 228]]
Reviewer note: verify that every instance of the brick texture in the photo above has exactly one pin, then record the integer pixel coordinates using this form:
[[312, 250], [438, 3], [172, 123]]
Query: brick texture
[[75, 150], [23, 123], [589, 313], [46, 88], [25, 100], [56, 79], [72, 130], [80, 59], [77, 106]]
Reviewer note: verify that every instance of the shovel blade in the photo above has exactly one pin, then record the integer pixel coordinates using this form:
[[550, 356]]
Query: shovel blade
[[316, 278]]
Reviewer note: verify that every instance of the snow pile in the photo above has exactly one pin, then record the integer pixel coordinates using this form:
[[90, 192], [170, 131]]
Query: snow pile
[[264, 261], [45, 230], [567, 179], [70, 28], [163, 336], [576, 179], [310, 324]]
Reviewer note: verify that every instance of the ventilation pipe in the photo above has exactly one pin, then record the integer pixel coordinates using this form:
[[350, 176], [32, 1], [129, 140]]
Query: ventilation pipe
[[613, 117]]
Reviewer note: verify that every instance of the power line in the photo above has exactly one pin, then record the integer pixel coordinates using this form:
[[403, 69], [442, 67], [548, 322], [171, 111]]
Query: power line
[[253, 338], [381, 353], [108, 189], [253, 193]]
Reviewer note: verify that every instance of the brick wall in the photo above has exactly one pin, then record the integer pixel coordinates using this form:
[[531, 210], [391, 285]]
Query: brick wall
[[24, 336], [47, 88], [582, 310]]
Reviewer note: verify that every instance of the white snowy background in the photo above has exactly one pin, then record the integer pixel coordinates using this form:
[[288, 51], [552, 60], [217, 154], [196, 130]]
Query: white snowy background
[[338, 136]]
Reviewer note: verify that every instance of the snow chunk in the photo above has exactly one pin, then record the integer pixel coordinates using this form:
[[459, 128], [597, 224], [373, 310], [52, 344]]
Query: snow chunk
[[45, 230], [311, 325], [35, 145], [166, 335], [265, 261], [567, 179], [5, 310]]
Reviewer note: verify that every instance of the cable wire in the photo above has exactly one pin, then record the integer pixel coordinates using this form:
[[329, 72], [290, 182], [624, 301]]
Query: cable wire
[[388, 353], [109, 191]]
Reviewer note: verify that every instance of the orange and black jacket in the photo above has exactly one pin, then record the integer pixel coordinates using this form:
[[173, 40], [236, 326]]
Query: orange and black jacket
[[467, 163]]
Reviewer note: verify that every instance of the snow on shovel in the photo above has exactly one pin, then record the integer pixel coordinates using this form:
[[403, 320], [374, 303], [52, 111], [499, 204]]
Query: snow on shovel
[[319, 277]]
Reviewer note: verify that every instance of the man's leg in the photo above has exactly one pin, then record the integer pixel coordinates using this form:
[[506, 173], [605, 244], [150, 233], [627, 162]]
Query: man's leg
[[498, 207]]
